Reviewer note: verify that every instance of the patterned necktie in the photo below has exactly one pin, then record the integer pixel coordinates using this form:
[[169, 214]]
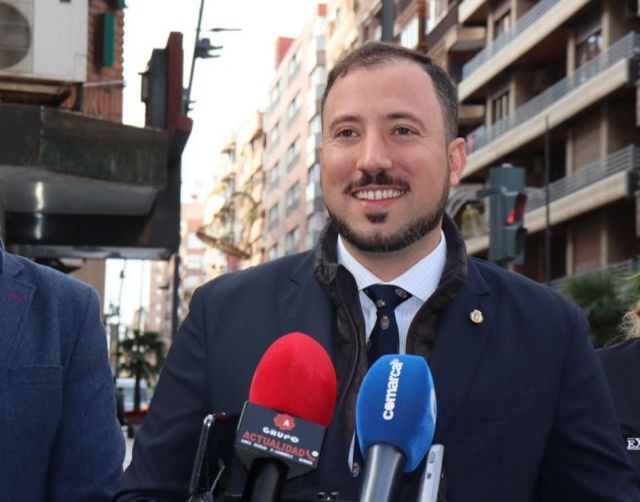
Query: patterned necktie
[[384, 338]]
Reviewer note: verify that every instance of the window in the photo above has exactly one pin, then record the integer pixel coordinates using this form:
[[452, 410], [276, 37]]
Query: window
[[275, 134], [500, 107], [273, 252], [409, 34], [292, 199], [313, 174], [293, 152], [318, 76], [315, 125], [315, 224], [195, 261], [589, 47], [294, 64], [502, 25], [291, 241], [294, 107], [436, 9], [275, 94], [193, 242], [274, 175], [274, 216]]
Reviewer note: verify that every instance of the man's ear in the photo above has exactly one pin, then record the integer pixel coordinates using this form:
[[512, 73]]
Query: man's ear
[[457, 156]]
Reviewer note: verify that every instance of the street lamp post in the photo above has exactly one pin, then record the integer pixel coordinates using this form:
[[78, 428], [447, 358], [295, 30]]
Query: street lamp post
[[202, 49]]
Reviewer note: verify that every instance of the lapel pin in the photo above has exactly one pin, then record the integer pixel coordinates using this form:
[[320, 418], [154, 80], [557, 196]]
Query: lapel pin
[[476, 316]]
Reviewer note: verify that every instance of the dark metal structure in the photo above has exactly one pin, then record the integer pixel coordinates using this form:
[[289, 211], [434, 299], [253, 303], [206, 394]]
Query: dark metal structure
[[81, 187]]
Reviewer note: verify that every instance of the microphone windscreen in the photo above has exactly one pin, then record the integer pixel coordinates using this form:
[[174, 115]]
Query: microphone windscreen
[[397, 406], [296, 376]]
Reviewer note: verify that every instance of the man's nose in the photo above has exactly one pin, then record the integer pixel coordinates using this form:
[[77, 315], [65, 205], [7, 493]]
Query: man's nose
[[374, 153]]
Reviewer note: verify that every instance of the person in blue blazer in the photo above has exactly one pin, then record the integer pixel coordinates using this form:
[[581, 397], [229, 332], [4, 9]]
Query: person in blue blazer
[[524, 412], [60, 440]]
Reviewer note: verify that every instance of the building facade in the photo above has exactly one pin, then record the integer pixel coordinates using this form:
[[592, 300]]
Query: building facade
[[294, 212], [234, 211], [556, 82]]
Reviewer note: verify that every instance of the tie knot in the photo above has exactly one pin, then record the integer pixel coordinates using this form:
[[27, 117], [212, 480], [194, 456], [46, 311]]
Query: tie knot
[[386, 295]]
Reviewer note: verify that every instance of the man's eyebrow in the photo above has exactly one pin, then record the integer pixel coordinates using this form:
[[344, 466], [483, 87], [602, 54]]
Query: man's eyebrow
[[405, 116], [342, 119]]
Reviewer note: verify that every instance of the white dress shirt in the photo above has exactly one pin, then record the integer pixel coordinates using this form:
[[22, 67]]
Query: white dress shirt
[[421, 280]]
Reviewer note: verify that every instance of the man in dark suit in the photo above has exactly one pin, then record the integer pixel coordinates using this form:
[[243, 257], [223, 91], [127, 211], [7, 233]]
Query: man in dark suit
[[523, 409], [60, 439]]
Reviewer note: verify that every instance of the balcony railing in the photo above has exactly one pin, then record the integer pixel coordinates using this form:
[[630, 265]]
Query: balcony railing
[[530, 17], [444, 24], [627, 159], [625, 48]]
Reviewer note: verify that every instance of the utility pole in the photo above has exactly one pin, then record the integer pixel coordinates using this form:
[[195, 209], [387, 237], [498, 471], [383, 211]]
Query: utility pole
[[388, 8]]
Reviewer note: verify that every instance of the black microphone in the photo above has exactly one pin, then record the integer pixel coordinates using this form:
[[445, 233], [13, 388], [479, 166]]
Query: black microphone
[[291, 402], [395, 422]]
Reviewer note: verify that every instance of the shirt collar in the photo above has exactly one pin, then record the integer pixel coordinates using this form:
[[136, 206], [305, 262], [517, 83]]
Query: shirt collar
[[421, 280], [1, 255]]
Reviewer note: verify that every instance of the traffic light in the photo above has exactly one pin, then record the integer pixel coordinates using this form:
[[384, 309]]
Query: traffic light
[[507, 233]]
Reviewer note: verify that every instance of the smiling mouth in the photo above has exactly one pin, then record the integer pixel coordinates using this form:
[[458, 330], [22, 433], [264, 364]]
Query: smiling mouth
[[378, 194]]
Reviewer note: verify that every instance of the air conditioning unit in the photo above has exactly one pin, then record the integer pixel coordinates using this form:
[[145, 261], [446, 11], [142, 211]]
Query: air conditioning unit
[[44, 39]]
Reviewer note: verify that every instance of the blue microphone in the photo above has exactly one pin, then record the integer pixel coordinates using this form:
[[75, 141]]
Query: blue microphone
[[395, 422]]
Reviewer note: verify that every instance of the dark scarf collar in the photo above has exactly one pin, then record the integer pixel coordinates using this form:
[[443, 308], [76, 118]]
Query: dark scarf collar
[[326, 254]]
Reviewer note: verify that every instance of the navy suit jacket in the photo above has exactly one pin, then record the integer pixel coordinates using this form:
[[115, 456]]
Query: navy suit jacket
[[59, 437], [524, 411]]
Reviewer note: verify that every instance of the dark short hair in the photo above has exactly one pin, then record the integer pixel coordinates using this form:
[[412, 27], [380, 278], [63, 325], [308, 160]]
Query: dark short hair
[[376, 53]]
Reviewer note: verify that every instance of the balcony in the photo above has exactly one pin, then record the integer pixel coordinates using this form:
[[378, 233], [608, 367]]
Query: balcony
[[587, 85], [588, 188], [473, 10], [453, 35], [529, 30]]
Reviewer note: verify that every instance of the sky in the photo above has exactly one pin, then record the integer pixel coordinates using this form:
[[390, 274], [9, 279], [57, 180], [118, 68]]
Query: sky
[[226, 90]]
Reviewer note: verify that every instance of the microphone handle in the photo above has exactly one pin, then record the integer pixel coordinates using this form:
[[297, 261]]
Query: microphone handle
[[265, 481], [384, 466], [430, 490]]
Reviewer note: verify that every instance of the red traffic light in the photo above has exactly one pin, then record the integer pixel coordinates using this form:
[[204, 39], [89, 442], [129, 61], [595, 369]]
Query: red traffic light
[[517, 211]]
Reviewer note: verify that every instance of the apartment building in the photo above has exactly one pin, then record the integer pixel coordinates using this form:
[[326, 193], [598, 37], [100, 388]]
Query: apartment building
[[353, 22], [294, 211], [192, 253], [556, 82], [234, 212]]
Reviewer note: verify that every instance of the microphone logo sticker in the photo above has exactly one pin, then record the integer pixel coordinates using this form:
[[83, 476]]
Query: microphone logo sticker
[[392, 389], [284, 422]]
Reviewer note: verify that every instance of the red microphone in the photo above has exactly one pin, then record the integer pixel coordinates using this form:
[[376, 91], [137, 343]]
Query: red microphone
[[291, 402]]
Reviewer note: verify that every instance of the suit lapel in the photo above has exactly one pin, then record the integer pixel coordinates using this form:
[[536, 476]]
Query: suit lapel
[[303, 305], [15, 298], [459, 347]]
